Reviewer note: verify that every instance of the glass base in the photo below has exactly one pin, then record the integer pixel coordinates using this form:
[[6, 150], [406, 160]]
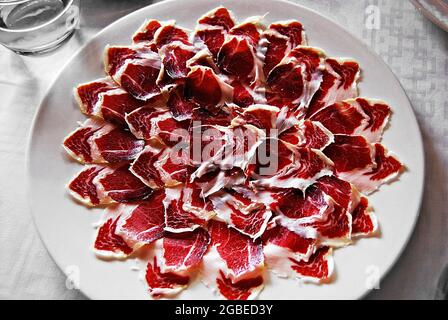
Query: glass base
[[49, 47]]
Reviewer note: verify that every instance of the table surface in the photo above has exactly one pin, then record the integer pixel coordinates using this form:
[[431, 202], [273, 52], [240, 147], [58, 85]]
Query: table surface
[[415, 49]]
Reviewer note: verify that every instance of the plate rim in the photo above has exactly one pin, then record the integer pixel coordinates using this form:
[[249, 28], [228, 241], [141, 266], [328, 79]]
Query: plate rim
[[32, 134]]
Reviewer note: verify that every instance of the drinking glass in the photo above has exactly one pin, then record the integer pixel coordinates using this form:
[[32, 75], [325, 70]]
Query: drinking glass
[[37, 26]]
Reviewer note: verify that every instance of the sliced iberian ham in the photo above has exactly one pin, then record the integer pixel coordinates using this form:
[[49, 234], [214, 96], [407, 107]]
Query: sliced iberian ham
[[319, 267], [103, 98], [174, 260], [96, 185], [241, 212], [311, 134], [169, 33], [364, 165], [156, 124], [339, 82], [282, 245], [217, 179], [135, 68], [126, 228], [175, 56], [146, 31], [289, 166], [181, 109], [160, 167], [206, 89], [364, 221], [96, 141], [295, 80], [278, 40], [234, 263], [177, 219], [355, 117]]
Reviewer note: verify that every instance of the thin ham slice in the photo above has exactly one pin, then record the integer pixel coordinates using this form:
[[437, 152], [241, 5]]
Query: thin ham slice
[[339, 82], [311, 134], [319, 267], [135, 68], [146, 31], [355, 117]]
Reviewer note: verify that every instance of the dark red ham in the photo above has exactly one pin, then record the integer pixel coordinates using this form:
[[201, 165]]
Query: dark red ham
[[169, 33], [309, 134], [83, 188], [183, 251], [108, 244], [163, 284], [181, 109], [364, 222], [218, 17], [97, 141], [339, 82], [245, 289], [174, 58], [135, 68], [319, 267], [206, 89], [142, 223], [355, 117], [146, 32]]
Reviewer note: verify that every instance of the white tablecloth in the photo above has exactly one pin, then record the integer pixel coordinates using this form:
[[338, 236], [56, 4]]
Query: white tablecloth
[[414, 48]]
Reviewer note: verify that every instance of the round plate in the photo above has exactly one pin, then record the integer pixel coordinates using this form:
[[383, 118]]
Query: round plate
[[67, 227]]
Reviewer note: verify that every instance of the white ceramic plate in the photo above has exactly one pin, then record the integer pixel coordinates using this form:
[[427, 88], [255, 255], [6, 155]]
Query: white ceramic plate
[[66, 227]]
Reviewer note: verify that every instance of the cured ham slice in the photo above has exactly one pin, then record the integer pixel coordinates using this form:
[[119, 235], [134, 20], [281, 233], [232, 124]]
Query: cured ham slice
[[196, 202], [319, 267], [311, 134], [364, 222], [364, 165], [295, 80], [291, 167], [96, 141], [178, 220], [154, 124], [135, 68], [355, 117], [169, 33], [339, 82], [281, 245], [267, 117], [181, 109], [218, 17], [234, 263], [278, 40], [175, 56], [183, 251], [142, 223], [159, 167], [240, 212], [104, 99], [96, 185], [147, 31], [83, 188], [206, 89], [163, 284], [108, 244], [215, 180]]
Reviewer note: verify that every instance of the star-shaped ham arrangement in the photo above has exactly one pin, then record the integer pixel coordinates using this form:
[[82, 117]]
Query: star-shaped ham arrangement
[[228, 152]]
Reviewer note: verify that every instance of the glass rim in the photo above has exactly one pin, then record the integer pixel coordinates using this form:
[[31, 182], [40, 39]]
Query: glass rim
[[60, 14]]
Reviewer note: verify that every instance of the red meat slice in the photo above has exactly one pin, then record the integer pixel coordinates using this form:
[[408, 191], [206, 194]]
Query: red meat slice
[[245, 289], [142, 223], [147, 31], [294, 81], [243, 95], [249, 29], [88, 94], [339, 82], [218, 17], [364, 222], [169, 33], [83, 188], [181, 109], [183, 251], [163, 284], [355, 117], [97, 141], [278, 40], [241, 212], [154, 124], [136, 68], [211, 37], [318, 268], [174, 58], [206, 89], [309, 134], [120, 185], [178, 220], [108, 244], [242, 256]]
